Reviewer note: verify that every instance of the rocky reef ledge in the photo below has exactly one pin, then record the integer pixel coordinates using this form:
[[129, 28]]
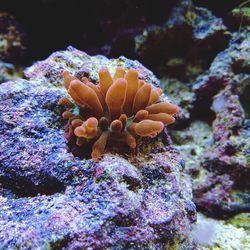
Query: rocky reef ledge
[[50, 199]]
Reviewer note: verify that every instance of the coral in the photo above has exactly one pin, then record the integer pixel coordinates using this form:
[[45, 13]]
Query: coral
[[116, 109]]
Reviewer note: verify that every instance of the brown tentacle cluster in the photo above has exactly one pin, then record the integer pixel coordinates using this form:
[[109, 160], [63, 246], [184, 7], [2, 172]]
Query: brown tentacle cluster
[[122, 108]]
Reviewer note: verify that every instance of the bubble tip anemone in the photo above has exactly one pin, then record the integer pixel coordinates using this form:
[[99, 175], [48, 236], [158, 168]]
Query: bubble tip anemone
[[116, 109]]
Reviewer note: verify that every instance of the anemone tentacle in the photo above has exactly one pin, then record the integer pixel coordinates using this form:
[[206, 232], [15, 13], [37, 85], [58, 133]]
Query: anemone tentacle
[[122, 107]]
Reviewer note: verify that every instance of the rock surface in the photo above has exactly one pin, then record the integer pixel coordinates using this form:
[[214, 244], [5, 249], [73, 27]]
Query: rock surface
[[9, 72], [162, 47], [217, 148], [51, 199], [227, 161]]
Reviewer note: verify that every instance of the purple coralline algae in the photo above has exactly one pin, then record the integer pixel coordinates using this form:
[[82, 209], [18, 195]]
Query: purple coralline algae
[[217, 148], [223, 192], [51, 199]]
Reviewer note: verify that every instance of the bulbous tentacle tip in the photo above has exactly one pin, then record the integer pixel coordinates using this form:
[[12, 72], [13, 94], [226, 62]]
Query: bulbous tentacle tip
[[80, 131], [75, 83], [141, 98], [148, 127], [132, 87], [92, 122], [65, 73], [174, 109], [104, 123], [85, 95], [104, 74], [67, 77], [89, 129], [64, 101], [163, 107], [97, 91], [103, 70], [132, 73], [105, 80], [67, 114], [121, 81], [116, 126], [162, 117], [154, 96], [115, 97], [119, 73], [123, 118], [141, 115], [171, 121], [159, 91]]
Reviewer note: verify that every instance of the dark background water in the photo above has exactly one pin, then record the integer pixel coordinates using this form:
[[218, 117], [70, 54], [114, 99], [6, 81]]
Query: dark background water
[[92, 26]]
